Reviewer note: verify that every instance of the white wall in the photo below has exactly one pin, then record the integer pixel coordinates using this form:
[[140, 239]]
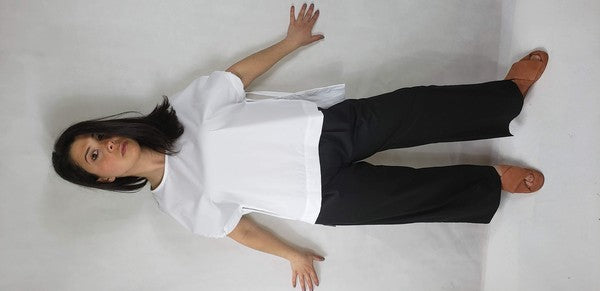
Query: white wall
[[65, 61]]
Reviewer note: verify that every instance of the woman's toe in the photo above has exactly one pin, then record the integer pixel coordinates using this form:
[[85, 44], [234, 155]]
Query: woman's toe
[[536, 57], [529, 180]]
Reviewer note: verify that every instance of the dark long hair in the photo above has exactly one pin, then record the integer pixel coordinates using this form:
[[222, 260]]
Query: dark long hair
[[157, 131]]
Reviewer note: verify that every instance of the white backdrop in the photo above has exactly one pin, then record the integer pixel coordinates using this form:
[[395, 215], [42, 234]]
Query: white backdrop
[[65, 61]]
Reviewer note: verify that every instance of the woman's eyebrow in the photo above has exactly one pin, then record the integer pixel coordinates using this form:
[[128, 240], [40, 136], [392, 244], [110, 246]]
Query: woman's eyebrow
[[86, 155]]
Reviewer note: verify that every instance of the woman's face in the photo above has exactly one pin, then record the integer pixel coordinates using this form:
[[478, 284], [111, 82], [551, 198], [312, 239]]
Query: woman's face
[[106, 158]]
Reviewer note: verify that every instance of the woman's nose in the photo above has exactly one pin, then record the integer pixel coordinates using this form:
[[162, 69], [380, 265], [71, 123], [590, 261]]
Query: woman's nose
[[111, 145]]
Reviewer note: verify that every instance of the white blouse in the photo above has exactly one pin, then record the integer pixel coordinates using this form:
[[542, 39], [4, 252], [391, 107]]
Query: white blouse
[[239, 155]]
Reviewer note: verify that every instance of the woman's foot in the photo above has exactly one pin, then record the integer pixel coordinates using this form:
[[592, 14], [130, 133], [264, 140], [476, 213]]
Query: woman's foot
[[528, 70], [519, 180]]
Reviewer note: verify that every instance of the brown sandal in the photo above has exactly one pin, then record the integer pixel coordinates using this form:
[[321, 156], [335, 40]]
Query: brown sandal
[[513, 179], [526, 71]]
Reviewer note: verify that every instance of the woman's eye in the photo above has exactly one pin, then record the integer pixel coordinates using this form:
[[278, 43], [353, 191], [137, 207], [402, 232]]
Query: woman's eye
[[99, 136], [94, 155]]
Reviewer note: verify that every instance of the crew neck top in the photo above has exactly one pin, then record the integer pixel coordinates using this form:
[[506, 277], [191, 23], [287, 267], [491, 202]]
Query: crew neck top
[[238, 156]]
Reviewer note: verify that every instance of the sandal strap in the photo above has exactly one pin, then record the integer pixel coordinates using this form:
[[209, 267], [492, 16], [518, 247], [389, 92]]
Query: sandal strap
[[513, 180], [524, 70]]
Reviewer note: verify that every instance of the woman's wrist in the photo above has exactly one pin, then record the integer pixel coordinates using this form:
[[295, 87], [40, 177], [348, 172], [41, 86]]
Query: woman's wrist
[[292, 254], [289, 42]]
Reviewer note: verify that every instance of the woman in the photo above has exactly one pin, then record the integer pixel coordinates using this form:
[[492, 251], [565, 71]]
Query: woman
[[214, 157]]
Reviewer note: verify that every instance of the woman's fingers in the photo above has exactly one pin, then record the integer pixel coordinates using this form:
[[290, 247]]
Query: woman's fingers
[[314, 278], [316, 37], [301, 14], [302, 283], [312, 272], [303, 270], [313, 19], [294, 275], [305, 16], [306, 280], [309, 282], [308, 15], [292, 15]]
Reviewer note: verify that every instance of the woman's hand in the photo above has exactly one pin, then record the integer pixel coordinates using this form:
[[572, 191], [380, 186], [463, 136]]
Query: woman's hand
[[302, 267], [300, 29]]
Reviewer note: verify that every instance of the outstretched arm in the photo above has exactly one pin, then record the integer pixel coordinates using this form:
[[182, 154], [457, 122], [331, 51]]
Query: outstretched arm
[[252, 235], [299, 34]]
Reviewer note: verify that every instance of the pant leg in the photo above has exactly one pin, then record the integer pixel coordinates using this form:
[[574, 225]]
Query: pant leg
[[363, 193], [421, 115]]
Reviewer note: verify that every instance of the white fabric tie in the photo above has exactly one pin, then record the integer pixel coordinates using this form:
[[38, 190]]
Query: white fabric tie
[[324, 97]]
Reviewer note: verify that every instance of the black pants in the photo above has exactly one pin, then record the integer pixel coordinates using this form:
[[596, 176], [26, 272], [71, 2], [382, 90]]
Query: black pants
[[357, 192]]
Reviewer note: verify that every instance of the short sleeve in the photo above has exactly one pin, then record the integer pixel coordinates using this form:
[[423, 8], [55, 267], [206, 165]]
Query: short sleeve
[[221, 89], [209, 219], [206, 95]]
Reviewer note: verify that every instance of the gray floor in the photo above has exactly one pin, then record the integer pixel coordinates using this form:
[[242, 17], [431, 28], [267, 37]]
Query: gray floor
[[65, 61]]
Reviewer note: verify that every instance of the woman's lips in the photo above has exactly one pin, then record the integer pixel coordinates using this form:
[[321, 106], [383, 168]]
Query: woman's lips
[[123, 148]]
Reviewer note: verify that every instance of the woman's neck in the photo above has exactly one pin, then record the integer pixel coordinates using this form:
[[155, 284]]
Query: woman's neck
[[152, 167]]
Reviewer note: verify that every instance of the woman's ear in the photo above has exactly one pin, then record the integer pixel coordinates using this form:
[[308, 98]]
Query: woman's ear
[[106, 180]]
